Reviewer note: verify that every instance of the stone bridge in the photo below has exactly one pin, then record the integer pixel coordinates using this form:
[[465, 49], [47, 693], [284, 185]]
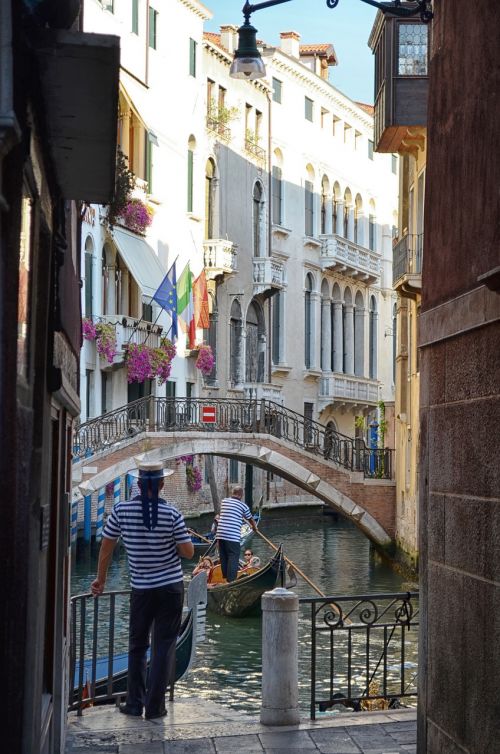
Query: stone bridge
[[337, 470]]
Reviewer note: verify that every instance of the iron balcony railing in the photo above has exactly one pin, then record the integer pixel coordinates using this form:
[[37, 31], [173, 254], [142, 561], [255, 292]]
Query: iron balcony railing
[[407, 256], [231, 415], [364, 650], [217, 126]]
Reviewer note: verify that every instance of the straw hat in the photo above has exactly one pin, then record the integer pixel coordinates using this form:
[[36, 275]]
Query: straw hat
[[150, 470]]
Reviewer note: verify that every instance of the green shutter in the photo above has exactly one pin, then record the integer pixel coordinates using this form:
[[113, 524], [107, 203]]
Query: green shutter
[[152, 27], [190, 182], [149, 163], [192, 57], [135, 16]]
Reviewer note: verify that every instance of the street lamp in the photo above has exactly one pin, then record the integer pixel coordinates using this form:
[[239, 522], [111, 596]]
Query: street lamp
[[248, 63]]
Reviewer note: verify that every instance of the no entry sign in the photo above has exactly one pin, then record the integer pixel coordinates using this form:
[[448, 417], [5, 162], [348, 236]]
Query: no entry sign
[[208, 414]]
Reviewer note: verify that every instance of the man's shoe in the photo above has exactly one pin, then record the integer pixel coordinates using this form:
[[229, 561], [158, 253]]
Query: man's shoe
[[126, 710], [155, 715]]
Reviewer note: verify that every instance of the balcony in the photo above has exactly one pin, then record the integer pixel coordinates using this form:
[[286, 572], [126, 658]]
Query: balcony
[[268, 274], [343, 389], [131, 330], [346, 257], [407, 265], [262, 390], [217, 126], [253, 149], [219, 257]]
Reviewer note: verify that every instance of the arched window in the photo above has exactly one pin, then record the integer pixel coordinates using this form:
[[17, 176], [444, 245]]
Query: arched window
[[335, 207], [372, 334], [372, 228], [337, 330], [235, 327], [209, 198], [347, 212], [257, 219], [358, 210], [359, 334], [324, 201], [277, 332], [255, 344], [308, 321], [210, 336], [326, 330], [89, 280]]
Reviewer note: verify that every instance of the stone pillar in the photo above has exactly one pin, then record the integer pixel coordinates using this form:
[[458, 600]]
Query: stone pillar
[[338, 338], [349, 339], [326, 336], [359, 342], [124, 302], [111, 290], [328, 217], [340, 218], [315, 330], [350, 224], [280, 685]]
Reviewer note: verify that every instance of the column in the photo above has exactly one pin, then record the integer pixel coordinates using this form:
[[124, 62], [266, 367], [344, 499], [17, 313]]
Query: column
[[124, 302], [338, 338], [349, 338], [101, 499], [340, 218], [328, 217], [326, 336], [315, 330], [359, 342], [350, 224]]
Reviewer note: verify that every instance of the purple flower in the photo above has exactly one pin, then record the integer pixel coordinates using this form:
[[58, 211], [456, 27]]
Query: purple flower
[[137, 216], [205, 361]]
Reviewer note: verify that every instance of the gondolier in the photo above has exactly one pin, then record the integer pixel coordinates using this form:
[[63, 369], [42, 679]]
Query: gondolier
[[232, 514], [155, 538]]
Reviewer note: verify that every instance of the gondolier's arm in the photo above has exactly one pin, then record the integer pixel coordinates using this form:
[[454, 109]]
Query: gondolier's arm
[[105, 555]]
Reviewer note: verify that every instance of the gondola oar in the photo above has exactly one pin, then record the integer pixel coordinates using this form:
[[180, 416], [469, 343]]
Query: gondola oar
[[200, 536], [301, 573]]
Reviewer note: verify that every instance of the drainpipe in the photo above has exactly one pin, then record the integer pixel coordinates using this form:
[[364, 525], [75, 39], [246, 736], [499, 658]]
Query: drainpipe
[[269, 231]]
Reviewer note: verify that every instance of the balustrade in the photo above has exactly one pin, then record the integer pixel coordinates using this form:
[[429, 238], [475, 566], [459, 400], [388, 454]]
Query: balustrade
[[347, 257], [219, 257]]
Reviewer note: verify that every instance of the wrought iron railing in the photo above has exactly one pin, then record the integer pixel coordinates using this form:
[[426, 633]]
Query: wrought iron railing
[[407, 256], [231, 415], [217, 126], [364, 650]]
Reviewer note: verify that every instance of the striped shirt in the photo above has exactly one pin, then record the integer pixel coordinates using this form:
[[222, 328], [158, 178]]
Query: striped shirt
[[152, 555], [232, 513]]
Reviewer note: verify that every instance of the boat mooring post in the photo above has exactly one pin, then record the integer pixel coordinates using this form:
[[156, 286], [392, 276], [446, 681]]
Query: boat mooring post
[[101, 501], [280, 655], [87, 518]]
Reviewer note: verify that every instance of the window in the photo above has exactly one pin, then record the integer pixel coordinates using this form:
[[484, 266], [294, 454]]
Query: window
[[370, 149], [221, 100], [153, 21], [308, 418], [372, 335], [308, 108], [394, 341], [347, 131], [88, 277], [394, 163], [170, 389], [209, 198], [412, 49], [357, 140], [257, 217], [258, 125], [277, 195], [135, 16], [88, 391], [147, 312], [24, 292], [189, 390], [192, 57], [324, 117], [308, 323], [210, 94], [309, 208], [336, 126], [104, 392], [276, 331], [233, 471], [248, 113], [277, 90], [151, 141], [190, 160], [372, 241], [235, 342]]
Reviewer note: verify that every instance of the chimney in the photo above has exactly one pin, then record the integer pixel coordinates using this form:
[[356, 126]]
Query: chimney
[[229, 37], [290, 43]]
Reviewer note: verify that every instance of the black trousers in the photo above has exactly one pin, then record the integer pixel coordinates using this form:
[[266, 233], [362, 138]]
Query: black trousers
[[229, 558], [160, 608]]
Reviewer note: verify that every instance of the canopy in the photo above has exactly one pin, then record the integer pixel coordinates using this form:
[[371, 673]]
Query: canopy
[[144, 265]]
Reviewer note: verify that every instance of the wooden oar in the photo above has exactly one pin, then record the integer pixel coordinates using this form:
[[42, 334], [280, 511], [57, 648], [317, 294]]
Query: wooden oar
[[301, 573], [200, 536]]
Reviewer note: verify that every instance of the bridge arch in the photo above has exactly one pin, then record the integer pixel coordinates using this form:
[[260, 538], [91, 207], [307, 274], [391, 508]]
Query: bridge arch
[[247, 450]]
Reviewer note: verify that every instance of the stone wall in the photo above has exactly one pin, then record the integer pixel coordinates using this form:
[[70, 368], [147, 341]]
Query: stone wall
[[460, 389]]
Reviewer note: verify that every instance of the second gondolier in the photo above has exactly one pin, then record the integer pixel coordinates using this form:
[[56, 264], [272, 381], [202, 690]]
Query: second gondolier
[[233, 512]]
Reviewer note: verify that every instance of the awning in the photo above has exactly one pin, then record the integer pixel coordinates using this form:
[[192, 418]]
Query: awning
[[139, 98], [144, 265]]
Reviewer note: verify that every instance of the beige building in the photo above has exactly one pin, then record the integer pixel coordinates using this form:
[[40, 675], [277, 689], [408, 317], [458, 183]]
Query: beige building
[[401, 59]]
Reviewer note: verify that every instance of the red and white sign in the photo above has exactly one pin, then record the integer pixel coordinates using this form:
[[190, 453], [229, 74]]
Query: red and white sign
[[208, 414]]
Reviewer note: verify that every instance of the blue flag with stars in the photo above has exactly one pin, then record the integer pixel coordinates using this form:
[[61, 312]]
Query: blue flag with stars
[[166, 297]]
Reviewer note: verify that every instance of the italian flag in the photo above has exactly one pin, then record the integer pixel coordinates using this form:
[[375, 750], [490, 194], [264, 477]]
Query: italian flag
[[185, 305]]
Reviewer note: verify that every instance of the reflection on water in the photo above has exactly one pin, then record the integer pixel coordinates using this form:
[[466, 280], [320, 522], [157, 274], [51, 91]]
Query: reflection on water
[[334, 554]]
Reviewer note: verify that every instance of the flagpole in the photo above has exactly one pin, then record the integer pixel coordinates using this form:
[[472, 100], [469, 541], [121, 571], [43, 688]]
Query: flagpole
[[159, 313]]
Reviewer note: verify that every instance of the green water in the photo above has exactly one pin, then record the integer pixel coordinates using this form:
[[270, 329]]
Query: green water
[[334, 554]]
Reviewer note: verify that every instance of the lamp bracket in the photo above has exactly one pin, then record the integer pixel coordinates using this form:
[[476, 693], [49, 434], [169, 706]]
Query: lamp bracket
[[396, 7]]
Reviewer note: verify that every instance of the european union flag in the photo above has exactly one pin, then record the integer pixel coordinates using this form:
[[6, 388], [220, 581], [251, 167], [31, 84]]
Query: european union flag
[[166, 297]]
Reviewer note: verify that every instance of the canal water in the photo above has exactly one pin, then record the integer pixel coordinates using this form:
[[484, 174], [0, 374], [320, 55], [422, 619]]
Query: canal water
[[335, 555]]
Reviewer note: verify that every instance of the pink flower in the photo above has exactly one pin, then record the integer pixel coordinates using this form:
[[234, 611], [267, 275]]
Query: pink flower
[[205, 361], [146, 363], [88, 329], [137, 216]]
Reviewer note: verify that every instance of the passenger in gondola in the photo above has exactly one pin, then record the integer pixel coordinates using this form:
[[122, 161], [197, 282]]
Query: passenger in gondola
[[204, 565], [232, 514], [251, 560]]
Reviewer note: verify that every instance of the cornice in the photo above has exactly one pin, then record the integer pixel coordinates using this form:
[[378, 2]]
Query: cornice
[[197, 8]]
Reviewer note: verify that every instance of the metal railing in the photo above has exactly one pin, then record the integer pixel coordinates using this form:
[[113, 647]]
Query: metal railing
[[364, 650], [255, 150], [407, 256], [217, 126], [231, 415]]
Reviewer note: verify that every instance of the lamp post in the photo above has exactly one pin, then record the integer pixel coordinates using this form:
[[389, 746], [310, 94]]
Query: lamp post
[[248, 63]]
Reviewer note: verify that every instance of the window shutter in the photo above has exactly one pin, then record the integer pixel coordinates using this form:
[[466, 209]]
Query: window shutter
[[190, 181]]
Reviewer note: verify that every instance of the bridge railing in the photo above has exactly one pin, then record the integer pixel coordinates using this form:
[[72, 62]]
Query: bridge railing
[[230, 415]]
